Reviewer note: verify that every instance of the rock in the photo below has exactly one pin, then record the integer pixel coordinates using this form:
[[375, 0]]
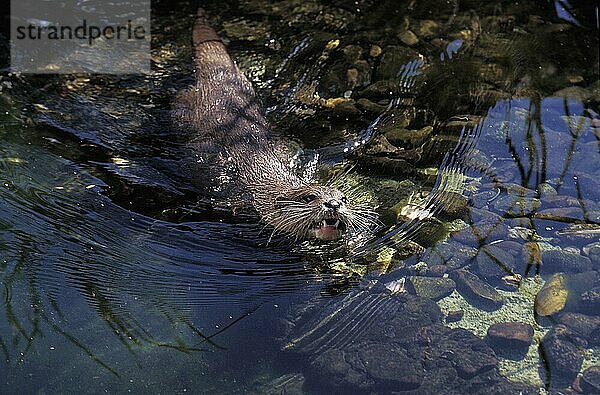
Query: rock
[[383, 89], [408, 37], [434, 288], [392, 60], [586, 326], [455, 316], [346, 110], [510, 339], [516, 205], [476, 291], [453, 205], [247, 31], [481, 199], [590, 301], [494, 263], [554, 261], [375, 51], [546, 190], [400, 136], [563, 357], [482, 232], [467, 353], [427, 28], [370, 108], [590, 380], [575, 92], [560, 214], [552, 297], [593, 252]]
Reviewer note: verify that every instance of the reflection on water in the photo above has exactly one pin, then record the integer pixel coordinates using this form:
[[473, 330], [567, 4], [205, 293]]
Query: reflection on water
[[474, 131]]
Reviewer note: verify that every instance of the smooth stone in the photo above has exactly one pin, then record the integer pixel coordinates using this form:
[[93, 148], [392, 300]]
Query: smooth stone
[[510, 339], [455, 316], [552, 297], [516, 206], [563, 355], [400, 136], [482, 232], [375, 51], [554, 261], [453, 205], [408, 37], [427, 28], [494, 263], [560, 214], [476, 291], [587, 326], [590, 301], [369, 107], [346, 110], [392, 60], [481, 199], [590, 380], [434, 288], [545, 190]]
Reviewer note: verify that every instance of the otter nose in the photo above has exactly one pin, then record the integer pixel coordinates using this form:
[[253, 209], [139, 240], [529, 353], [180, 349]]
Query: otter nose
[[333, 204]]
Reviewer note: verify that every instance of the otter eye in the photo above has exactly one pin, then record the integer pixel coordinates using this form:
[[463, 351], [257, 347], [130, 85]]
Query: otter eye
[[308, 198], [344, 199]]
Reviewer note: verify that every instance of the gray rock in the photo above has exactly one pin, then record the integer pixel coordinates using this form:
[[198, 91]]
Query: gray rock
[[476, 291], [554, 261], [494, 263], [590, 380], [562, 355], [516, 206]]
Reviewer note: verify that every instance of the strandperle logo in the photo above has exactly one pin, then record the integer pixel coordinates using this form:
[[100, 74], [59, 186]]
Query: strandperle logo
[[80, 37], [82, 32]]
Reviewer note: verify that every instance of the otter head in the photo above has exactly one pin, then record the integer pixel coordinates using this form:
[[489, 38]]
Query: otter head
[[319, 212]]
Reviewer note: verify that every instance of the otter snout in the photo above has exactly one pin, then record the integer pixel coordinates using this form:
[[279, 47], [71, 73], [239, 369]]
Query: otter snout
[[333, 204]]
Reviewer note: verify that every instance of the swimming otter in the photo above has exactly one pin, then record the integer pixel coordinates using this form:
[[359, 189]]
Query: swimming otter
[[234, 146]]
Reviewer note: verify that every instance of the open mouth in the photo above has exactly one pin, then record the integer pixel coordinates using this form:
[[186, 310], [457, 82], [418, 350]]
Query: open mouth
[[330, 228]]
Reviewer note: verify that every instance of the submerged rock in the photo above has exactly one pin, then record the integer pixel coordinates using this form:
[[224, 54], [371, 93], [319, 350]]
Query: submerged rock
[[476, 291], [586, 326], [554, 261], [552, 297], [510, 339], [590, 380], [434, 288], [562, 355]]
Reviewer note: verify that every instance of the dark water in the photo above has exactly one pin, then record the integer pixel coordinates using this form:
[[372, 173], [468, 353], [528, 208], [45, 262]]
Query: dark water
[[472, 127]]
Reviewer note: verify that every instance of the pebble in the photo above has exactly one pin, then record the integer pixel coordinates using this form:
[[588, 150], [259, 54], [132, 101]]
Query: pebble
[[434, 288], [455, 316], [375, 51], [476, 291]]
